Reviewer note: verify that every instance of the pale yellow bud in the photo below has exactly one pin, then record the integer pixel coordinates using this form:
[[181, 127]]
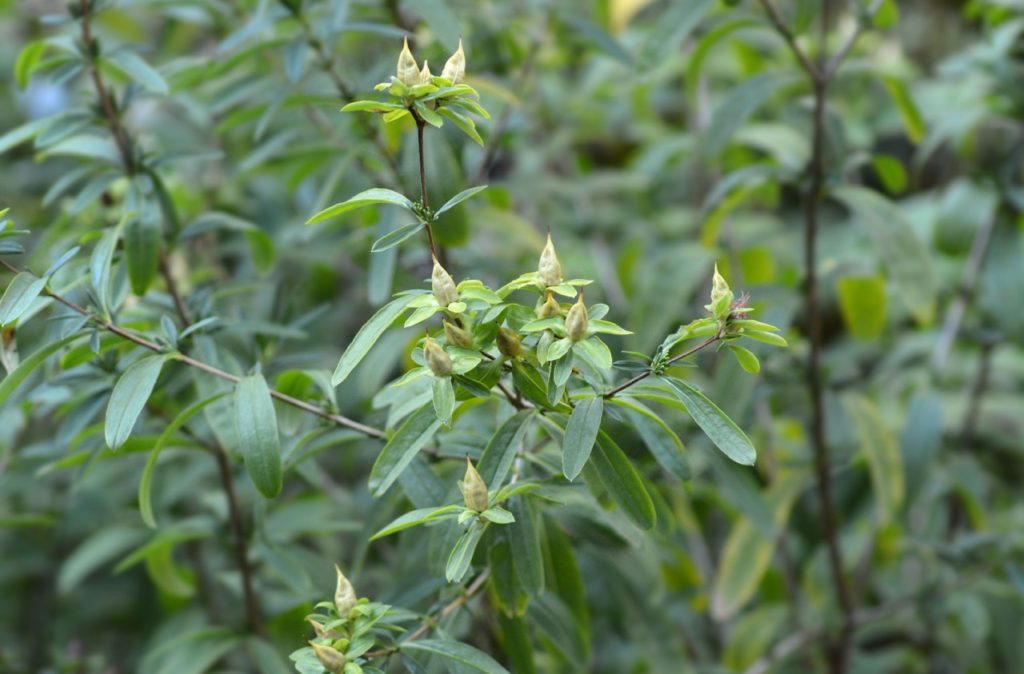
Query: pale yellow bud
[[437, 360], [332, 660], [408, 72], [550, 308], [474, 491], [321, 631], [721, 295], [344, 594], [576, 321], [455, 67], [549, 267], [508, 342], [443, 285], [456, 336], [425, 74]]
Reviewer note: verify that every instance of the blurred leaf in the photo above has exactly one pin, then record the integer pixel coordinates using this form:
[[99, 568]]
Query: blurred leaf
[[882, 453], [18, 296], [256, 424], [464, 654], [135, 68], [669, 31], [862, 304], [738, 107], [912, 120]]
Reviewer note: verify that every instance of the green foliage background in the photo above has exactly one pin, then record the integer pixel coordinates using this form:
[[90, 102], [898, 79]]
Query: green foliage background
[[653, 139]]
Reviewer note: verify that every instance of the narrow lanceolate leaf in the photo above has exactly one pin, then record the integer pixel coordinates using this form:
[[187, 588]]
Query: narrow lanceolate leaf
[[142, 252], [134, 67], [882, 452], [130, 394], [367, 337], [464, 654], [146, 484], [462, 554], [501, 450], [416, 518], [9, 383], [611, 468], [376, 195], [748, 550], [410, 437], [443, 399], [395, 237], [715, 423], [18, 297], [458, 199], [580, 435], [256, 423], [100, 265], [525, 538], [661, 440], [743, 102]]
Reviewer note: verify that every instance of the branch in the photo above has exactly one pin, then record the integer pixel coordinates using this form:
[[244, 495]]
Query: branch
[[435, 252], [252, 610], [783, 30], [672, 361], [204, 367], [121, 138]]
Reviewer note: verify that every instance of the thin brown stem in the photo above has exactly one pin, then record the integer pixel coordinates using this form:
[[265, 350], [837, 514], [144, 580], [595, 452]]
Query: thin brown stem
[[252, 609], [672, 361], [172, 289], [205, 367], [787, 35], [124, 145], [435, 252]]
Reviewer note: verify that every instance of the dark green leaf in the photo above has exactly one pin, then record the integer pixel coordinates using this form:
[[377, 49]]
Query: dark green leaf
[[129, 396], [410, 437], [464, 654], [256, 425], [580, 435], [715, 423]]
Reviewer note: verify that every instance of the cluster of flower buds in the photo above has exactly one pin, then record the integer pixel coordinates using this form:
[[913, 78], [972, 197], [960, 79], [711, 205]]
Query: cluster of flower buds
[[410, 74]]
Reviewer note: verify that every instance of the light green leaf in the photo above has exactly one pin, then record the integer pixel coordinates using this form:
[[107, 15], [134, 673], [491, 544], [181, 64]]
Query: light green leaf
[[416, 518], [371, 106], [671, 28], [458, 199], [862, 305], [19, 295], [715, 423], [376, 195], [882, 452], [580, 435], [135, 68], [27, 60], [464, 654], [256, 424], [912, 120], [395, 237], [443, 399], [130, 394], [11, 382], [367, 337], [737, 108], [462, 554], [746, 358], [410, 437]]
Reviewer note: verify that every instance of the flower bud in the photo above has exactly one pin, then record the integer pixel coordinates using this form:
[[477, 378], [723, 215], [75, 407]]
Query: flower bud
[[344, 594], [721, 295], [550, 308], [508, 342], [455, 67], [443, 285], [474, 491], [407, 71], [456, 336], [333, 661], [550, 268], [321, 631], [437, 360], [576, 321], [425, 74]]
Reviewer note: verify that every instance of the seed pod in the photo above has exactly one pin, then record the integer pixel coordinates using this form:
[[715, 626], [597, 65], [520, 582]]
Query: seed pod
[[456, 336], [576, 321], [508, 342], [425, 74], [344, 594], [443, 285], [474, 491], [321, 631], [455, 67], [333, 661], [549, 267], [407, 71], [550, 308], [437, 360]]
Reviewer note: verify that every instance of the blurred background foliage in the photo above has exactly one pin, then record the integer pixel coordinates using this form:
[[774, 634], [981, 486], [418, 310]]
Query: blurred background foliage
[[653, 139]]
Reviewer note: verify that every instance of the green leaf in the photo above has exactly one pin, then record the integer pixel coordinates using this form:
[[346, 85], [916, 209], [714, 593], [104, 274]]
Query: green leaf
[[580, 435], [27, 60], [146, 484], [410, 437], [462, 554], [443, 394], [376, 195], [24, 133], [862, 305], [256, 424], [130, 394], [464, 654], [100, 264], [458, 199], [19, 295], [465, 124], [890, 170], [396, 236], [669, 31], [525, 538], [661, 440], [715, 423], [26, 367], [367, 337], [905, 256], [610, 467], [142, 253], [135, 68], [371, 106], [748, 551], [738, 107], [912, 120], [882, 451], [416, 518], [86, 147], [501, 449], [746, 358]]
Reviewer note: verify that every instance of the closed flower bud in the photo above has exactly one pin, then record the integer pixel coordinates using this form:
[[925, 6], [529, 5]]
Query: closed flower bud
[[443, 285], [407, 71], [577, 321], [455, 67], [321, 631], [550, 268], [456, 336], [474, 491], [550, 308], [437, 360], [425, 74], [344, 594], [721, 295], [508, 342], [332, 660]]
